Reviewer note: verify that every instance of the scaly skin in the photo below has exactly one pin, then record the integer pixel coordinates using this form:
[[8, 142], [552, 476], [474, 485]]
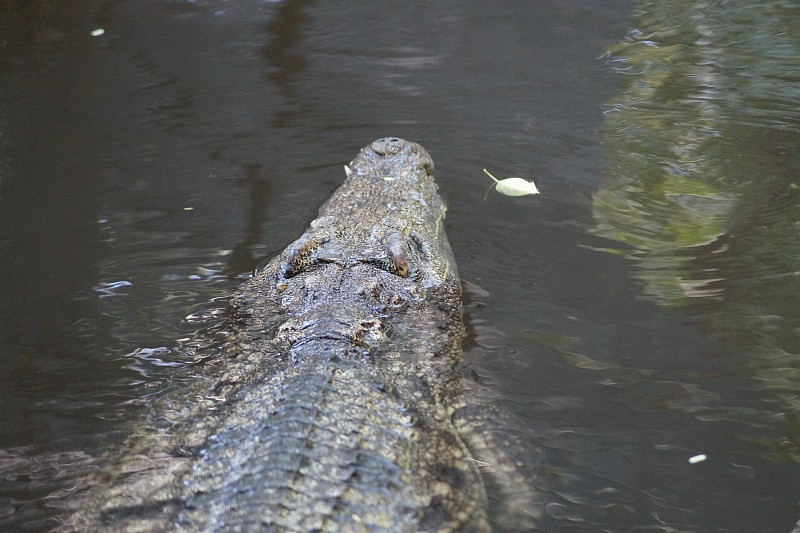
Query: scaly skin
[[333, 409]]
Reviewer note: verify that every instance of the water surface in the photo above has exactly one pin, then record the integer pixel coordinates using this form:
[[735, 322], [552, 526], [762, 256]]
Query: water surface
[[639, 312]]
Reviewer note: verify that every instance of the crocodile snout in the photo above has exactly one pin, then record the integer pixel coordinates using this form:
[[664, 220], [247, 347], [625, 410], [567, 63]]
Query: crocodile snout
[[390, 156], [388, 146]]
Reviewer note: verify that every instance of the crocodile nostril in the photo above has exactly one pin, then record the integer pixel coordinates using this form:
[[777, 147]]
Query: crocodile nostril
[[388, 146]]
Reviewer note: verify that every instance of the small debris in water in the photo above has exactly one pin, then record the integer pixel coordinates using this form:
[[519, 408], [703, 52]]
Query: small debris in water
[[98, 32], [388, 178], [697, 459], [513, 186], [188, 208]]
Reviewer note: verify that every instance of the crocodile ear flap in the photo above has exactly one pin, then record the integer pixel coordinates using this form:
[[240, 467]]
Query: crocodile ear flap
[[420, 245]]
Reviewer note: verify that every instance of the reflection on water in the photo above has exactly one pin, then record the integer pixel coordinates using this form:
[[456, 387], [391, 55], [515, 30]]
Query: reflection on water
[[702, 189], [701, 146]]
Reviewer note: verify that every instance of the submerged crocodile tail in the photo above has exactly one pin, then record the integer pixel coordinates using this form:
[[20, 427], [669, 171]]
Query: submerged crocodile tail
[[508, 460]]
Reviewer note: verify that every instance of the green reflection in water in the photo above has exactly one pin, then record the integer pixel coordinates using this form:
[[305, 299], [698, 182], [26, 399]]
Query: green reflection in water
[[703, 145], [703, 152], [702, 187]]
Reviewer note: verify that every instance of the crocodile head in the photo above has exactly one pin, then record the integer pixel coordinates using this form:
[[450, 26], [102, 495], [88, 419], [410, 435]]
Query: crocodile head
[[377, 250]]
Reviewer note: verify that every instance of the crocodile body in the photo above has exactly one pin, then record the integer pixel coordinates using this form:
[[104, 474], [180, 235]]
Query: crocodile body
[[336, 406]]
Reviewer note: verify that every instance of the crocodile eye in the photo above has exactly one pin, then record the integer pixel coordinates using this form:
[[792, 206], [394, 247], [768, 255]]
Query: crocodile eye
[[395, 245], [398, 262], [296, 264], [301, 254]]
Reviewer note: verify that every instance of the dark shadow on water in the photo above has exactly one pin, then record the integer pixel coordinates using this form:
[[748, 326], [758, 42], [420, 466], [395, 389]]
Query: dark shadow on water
[[243, 259], [285, 58]]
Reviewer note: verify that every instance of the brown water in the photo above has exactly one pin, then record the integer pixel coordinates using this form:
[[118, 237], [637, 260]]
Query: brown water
[[641, 311]]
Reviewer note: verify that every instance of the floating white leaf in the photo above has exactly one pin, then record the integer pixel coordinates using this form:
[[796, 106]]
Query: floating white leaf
[[513, 186]]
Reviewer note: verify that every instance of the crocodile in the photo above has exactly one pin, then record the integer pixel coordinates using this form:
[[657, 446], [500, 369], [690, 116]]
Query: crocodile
[[338, 404]]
